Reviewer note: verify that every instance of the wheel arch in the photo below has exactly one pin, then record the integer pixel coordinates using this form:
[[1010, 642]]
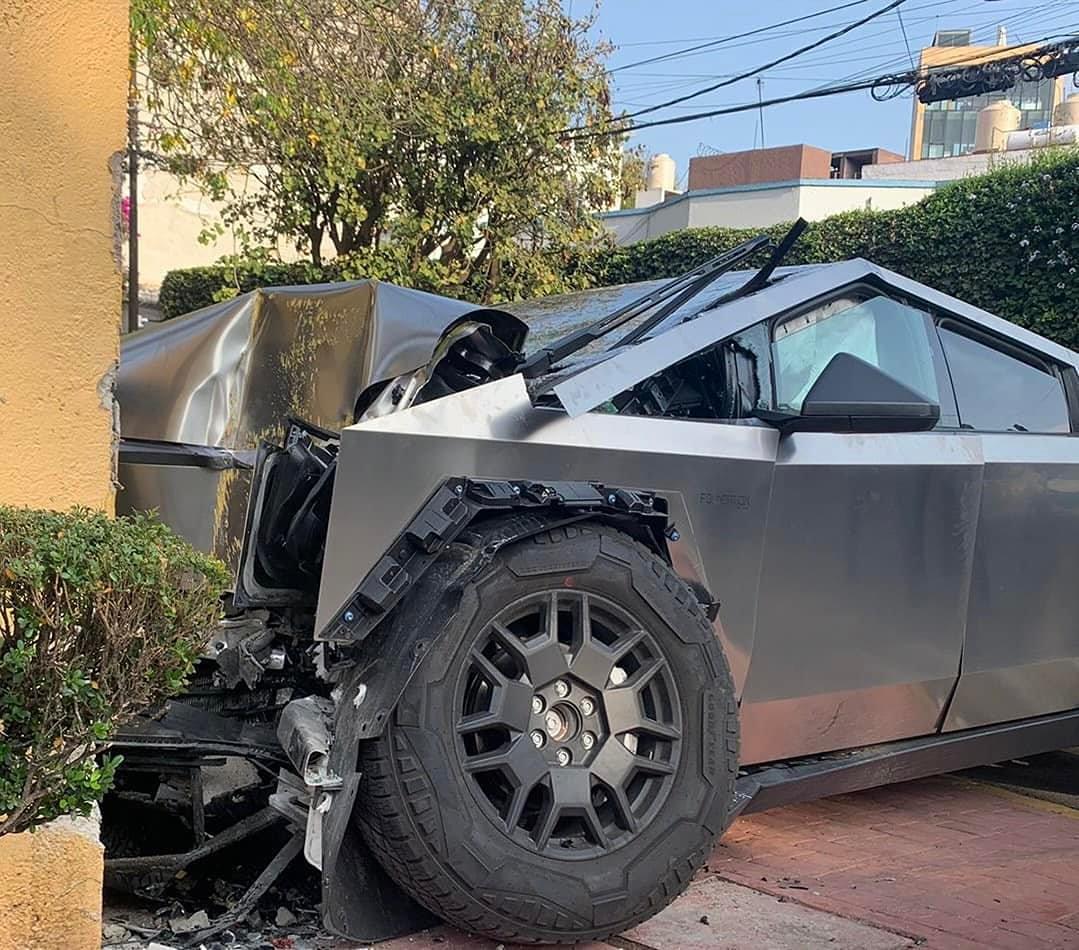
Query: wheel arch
[[464, 523], [465, 566]]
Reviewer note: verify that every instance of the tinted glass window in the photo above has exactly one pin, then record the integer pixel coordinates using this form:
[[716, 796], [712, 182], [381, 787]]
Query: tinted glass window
[[881, 331], [998, 392], [948, 125]]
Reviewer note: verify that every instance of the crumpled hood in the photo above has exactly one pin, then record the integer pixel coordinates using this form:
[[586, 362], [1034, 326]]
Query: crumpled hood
[[229, 374]]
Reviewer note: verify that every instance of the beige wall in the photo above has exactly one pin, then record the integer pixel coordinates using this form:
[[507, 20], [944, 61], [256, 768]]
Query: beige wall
[[50, 887], [62, 129], [172, 218], [760, 206]]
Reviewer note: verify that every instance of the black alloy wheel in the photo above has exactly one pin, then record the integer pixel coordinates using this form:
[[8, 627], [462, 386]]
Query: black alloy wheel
[[563, 760], [569, 726]]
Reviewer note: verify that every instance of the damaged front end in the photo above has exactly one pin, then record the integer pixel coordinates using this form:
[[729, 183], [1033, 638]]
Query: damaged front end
[[245, 752], [290, 684]]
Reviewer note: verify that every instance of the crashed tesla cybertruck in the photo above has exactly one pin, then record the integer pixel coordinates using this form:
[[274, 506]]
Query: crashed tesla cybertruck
[[519, 635]]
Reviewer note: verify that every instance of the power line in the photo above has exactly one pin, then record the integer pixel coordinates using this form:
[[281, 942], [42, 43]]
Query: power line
[[906, 42], [592, 132], [703, 47], [635, 93], [737, 36], [759, 69], [877, 83]]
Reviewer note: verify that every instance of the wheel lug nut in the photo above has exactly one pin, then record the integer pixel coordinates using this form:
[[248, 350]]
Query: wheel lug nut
[[538, 739], [587, 706], [618, 676], [588, 740], [561, 687], [537, 704], [563, 757]]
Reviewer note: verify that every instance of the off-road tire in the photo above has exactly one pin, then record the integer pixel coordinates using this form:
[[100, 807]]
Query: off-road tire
[[420, 816]]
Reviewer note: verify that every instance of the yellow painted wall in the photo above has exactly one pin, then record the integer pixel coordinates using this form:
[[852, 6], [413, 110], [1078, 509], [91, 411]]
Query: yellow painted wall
[[50, 888], [63, 85]]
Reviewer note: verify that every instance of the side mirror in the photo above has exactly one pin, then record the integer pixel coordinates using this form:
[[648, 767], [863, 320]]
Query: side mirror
[[851, 395]]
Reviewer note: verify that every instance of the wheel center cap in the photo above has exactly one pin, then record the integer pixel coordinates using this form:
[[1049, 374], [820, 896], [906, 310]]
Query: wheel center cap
[[562, 722]]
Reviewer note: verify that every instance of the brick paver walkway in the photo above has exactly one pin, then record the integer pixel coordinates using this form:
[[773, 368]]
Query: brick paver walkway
[[943, 863], [957, 864]]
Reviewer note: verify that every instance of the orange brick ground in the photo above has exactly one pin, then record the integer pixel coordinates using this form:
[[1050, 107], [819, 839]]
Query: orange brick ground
[[958, 864]]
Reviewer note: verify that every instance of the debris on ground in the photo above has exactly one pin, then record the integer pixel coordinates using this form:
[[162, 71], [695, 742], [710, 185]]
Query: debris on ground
[[285, 917], [186, 925], [114, 933]]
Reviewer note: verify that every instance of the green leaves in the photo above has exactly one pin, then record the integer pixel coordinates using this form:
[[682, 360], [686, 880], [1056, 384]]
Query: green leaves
[[419, 138], [99, 619], [1007, 241]]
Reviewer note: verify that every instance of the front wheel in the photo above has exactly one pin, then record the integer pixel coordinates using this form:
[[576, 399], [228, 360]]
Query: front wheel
[[565, 759]]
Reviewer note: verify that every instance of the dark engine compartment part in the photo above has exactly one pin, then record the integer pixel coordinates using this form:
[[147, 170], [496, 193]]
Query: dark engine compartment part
[[721, 382], [295, 494]]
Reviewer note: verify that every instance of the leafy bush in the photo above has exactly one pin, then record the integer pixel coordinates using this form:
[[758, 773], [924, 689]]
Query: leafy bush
[[195, 287], [534, 274], [1007, 241], [100, 619]]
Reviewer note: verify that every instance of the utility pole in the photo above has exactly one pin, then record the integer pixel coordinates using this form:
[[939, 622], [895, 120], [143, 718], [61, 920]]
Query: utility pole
[[760, 106], [132, 207]]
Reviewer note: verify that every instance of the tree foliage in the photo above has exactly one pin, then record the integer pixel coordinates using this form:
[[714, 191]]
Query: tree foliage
[[417, 139], [632, 177]]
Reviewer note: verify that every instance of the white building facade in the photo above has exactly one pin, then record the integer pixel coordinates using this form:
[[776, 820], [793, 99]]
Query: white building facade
[[762, 205]]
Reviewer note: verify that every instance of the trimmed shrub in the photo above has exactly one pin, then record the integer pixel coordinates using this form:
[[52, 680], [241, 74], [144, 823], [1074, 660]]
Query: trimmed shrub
[[100, 619], [1007, 241], [196, 287]]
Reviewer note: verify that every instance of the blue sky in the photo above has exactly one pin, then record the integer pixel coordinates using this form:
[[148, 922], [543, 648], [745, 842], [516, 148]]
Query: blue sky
[[640, 29]]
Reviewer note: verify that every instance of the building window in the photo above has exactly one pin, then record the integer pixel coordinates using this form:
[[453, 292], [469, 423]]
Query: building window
[[948, 126], [952, 38]]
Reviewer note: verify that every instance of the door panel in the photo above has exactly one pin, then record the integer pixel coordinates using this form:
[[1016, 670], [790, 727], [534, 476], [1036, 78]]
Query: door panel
[[1022, 647], [866, 568]]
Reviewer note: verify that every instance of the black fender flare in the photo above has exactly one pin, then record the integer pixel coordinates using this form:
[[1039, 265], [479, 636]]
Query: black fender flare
[[380, 633]]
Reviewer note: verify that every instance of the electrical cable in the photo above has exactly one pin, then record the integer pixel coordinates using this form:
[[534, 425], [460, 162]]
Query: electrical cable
[[907, 79], [737, 36], [672, 81], [759, 69]]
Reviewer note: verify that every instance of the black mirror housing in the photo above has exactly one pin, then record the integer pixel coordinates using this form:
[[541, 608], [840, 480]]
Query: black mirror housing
[[851, 395]]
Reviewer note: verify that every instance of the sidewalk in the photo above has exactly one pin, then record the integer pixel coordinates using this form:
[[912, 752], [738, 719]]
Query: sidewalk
[[944, 863]]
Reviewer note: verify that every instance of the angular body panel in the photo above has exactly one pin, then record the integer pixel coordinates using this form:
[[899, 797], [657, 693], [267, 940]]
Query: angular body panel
[[855, 572], [228, 375], [719, 507], [1022, 647], [864, 587]]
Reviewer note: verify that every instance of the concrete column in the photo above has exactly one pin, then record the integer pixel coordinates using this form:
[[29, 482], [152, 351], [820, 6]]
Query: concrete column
[[63, 85]]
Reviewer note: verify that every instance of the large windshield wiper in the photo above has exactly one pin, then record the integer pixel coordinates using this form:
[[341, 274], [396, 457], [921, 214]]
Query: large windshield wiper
[[677, 291], [757, 282]]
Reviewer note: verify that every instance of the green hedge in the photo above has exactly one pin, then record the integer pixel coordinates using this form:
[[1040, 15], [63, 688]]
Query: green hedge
[[195, 287], [1007, 241]]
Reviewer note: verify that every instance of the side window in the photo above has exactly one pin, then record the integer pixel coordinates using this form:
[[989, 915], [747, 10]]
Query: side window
[[999, 392], [892, 336]]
